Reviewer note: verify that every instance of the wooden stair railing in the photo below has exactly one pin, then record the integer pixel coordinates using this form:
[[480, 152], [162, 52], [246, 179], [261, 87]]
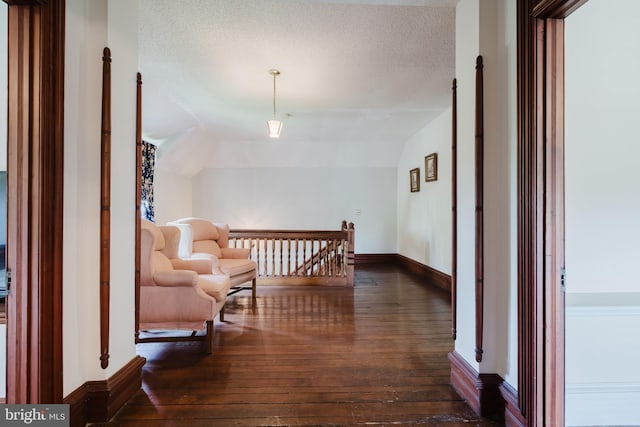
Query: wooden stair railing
[[300, 256], [328, 256]]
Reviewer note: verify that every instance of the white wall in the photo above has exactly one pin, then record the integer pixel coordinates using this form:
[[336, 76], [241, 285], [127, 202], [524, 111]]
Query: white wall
[[123, 41], [602, 149], [489, 31], [315, 198], [602, 347], [90, 27], [424, 217], [467, 49], [498, 44], [602, 204], [172, 196], [86, 35]]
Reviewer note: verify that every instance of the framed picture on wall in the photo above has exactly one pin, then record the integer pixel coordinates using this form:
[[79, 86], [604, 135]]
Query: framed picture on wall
[[414, 179], [431, 167]]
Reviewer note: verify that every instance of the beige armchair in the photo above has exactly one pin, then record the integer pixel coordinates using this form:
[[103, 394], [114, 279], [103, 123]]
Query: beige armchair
[[174, 293], [201, 237]]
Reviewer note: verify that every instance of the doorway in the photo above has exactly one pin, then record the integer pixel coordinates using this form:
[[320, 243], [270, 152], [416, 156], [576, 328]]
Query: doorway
[[601, 211]]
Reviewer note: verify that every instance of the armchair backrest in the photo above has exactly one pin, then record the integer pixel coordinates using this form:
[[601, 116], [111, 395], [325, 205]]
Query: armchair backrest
[[205, 236], [157, 246]]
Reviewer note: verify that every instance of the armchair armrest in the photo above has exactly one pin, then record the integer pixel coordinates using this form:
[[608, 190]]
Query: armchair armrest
[[185, 278], [199, 265], [237, 253]]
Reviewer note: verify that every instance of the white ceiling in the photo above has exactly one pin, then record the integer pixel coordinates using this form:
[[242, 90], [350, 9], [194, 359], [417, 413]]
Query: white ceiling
[[358, 77]]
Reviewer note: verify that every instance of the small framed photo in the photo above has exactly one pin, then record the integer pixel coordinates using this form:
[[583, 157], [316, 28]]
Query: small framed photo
[[431, 167], [414, 179]]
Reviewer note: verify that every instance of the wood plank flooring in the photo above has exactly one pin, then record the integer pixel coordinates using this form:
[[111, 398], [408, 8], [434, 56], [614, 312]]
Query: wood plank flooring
[[323, 356]]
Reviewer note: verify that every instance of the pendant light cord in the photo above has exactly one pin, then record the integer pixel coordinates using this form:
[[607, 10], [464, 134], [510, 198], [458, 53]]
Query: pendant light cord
[[274, 95]]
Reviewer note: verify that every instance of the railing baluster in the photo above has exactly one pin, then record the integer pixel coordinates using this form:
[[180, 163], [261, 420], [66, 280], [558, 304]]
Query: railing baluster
[[281, 271], [332, 259], [297, 257], [342, 258], [273, 257], [288, 257], [327, 267], [266, 260], [337, 255], [304, 257]]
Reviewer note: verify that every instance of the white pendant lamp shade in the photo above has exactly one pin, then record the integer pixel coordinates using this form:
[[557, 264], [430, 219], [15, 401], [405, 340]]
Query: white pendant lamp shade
[[275, 126]]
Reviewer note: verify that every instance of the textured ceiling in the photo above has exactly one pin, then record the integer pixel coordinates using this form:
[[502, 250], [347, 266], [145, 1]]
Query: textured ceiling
[[358, 78]]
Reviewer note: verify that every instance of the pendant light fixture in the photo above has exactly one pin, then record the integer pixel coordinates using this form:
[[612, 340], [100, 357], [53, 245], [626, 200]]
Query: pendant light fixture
[[275, 125]]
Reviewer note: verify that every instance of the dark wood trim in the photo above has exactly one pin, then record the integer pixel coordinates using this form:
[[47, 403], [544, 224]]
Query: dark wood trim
[[98, 401], [351, 257], [556, 9], [512, 415], [464, 380], [454, 208], [479, 217], [481, 391], [529, 239], [105, 208], [207, 338], [431, 275], [554, 314], [540, 203], [35, 152], [361, 259], [138, 202], [25, 2]]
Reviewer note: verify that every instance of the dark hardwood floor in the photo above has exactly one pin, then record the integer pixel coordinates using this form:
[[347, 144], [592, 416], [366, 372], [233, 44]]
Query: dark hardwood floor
[[324, 356]]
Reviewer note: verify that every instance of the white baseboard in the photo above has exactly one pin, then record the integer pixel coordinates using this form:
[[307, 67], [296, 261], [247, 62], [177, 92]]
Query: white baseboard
[[602, 404], [602, 378]]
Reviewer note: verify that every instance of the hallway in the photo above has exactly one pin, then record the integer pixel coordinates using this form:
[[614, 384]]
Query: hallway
[[372, 355]]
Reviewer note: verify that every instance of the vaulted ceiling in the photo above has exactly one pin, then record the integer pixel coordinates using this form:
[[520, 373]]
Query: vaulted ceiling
[[358, 78]]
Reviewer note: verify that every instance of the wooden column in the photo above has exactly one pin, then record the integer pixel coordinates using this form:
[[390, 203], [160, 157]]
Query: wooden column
[[138, 201], [105, 208], [35, 171], [554, 223], [454, 208], [479, 162]]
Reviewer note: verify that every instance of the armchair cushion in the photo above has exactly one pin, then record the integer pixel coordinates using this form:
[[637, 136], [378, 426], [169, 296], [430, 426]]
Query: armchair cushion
[[238, 253], [234, 267], [200, 265], [207, 247], [212, 238], [176, 278], [215, 285]]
